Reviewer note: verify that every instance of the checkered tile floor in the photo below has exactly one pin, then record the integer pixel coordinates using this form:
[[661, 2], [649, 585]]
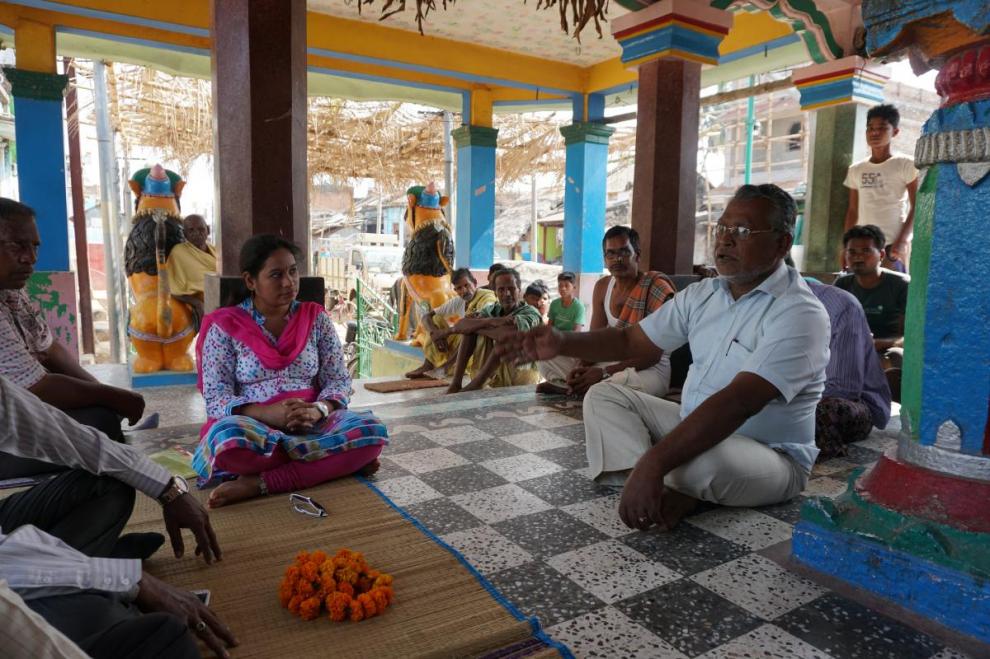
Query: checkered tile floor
[[501, 476]]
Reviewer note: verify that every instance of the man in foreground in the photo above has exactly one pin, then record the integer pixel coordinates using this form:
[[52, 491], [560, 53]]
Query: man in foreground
[[61, 551], [32, 359], [745, 432], [441, 350], [479, 333]]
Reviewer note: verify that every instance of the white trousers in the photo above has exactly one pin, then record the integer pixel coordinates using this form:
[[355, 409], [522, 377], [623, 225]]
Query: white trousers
[[621, 424], [654, 380]]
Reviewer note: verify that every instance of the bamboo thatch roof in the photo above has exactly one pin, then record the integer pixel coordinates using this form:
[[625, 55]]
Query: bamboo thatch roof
[[395, 144]]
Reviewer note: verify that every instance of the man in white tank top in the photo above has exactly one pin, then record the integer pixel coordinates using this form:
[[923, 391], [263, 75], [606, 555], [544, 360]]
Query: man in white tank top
[[624, 298]]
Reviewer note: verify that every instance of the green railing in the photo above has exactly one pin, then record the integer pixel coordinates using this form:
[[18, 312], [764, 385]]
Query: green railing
[[377, 321]]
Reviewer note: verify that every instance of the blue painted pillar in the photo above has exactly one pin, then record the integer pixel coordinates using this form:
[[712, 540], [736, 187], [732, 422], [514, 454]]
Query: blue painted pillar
[[41, 159], [586, 174], [474, 238]]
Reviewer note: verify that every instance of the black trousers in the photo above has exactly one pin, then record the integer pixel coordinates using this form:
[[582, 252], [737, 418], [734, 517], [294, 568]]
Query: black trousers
[[88, 513], [101, 418]]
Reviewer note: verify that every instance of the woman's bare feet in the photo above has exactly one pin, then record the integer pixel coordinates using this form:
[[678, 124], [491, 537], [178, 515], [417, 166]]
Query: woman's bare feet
[[370, 468], [244, 487]]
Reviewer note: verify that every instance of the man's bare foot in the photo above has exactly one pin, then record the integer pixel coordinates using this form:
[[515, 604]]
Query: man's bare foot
[[420, 372], [471, 386], [455, 387], [674, 506], [244, 487], [551, 388], [370, 468]]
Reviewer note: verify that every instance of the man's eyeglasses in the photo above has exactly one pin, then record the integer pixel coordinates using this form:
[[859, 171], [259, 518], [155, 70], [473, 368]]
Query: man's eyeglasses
[[738, 232], [621, 253], [866, 251], [303, 505]]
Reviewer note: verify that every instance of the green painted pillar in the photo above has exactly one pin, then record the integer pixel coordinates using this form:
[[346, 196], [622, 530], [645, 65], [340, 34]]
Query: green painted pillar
[[838, 140]]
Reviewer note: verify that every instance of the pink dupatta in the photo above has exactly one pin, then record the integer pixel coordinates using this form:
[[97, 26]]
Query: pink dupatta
[[241, 325]]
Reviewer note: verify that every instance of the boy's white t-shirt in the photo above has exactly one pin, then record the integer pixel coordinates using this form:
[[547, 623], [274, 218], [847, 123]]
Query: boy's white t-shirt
[[882, 188]]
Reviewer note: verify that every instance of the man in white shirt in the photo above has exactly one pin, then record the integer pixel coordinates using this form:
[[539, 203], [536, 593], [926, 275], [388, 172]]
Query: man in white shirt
[[745, 432], [878, 185], [55, 540]]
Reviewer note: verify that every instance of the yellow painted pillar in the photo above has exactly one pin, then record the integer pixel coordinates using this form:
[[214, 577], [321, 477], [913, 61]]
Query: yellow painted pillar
[[34, 45]]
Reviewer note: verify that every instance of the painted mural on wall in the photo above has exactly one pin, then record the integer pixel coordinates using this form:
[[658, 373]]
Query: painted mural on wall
[[160, 327], [54, 293]]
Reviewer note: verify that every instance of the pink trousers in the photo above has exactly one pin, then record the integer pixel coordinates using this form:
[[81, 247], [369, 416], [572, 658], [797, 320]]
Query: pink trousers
[[281, 474]]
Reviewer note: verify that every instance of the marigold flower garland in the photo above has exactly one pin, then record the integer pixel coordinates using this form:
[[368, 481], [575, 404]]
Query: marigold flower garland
[[344, 585]]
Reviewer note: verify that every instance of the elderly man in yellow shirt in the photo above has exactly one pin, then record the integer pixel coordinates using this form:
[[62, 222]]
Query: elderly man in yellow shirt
[[189, 263]]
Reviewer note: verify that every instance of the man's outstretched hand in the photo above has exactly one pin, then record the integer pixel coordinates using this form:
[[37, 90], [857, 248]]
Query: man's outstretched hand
[[185, 512], [538, 344]]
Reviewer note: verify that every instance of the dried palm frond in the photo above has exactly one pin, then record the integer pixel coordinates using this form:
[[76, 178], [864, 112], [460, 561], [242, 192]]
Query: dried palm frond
[[582, 12]]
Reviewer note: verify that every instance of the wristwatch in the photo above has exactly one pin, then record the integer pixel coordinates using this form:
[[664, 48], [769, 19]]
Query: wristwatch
[[175, 489], [323, 408]]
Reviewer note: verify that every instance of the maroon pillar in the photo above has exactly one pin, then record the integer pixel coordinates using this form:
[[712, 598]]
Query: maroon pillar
[[663, 205], [78, 210], [259, 92]]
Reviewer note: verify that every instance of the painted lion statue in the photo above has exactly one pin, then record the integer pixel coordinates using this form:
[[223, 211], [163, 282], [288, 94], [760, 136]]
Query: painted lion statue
[[160, 327], [428, 258]]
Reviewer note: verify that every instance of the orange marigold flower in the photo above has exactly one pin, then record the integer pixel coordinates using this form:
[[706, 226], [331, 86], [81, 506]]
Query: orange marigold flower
[[310, 609], [305, 588], [318, 557], [372, 574], [346, 574], [284, 595], [337, 604], [294, 604], [368, 603], [309, 571], [357, 611], [383, 580], [292, 572], [346, 588], [302, 556], [389, 593], [328, 583], [380, 598]]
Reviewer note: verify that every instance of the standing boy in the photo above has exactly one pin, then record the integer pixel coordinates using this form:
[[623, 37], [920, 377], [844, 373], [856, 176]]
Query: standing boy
[[878, 184]]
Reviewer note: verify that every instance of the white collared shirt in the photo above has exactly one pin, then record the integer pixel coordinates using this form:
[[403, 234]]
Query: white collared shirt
[[778, 331]]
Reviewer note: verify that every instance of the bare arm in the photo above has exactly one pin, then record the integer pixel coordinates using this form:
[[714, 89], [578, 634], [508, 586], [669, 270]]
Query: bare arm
[[58, 360], [598, 317], [907, 228], [852, 213], [611, 344], [474, 325]]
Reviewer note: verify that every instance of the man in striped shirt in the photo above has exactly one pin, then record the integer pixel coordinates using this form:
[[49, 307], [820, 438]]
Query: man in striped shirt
[[856, 395], [57, 541]]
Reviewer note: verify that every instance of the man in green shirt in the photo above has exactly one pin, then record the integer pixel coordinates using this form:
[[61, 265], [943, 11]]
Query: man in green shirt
[[479, 333], [567, 312]]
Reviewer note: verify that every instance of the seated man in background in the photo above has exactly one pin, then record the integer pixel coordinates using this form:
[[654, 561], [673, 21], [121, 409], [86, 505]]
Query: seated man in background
[[189, 263], [856, 396], [479, 333], [32, 359], [622, 299], [441, 350], [538, 296], [62, 555], [883, 295], [745, 433], [492, 269]]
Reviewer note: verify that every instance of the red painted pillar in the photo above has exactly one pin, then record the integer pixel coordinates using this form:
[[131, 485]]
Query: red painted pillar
[[665, 179], [259, 92], [667, 42]]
